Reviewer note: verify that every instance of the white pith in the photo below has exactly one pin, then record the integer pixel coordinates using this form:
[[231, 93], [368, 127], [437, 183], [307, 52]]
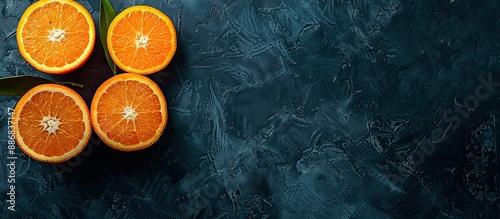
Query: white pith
[[50, 124], [129, 113], [56, 35], [141, 41]]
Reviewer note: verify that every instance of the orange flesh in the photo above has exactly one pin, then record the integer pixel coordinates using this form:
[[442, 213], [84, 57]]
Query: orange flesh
[[140, 24], [138, 96], [57, 105], [65, 50]]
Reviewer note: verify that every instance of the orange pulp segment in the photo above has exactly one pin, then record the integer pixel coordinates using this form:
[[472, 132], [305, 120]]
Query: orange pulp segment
[[129, 112], [51, 123], [142, 40], [56, 36]]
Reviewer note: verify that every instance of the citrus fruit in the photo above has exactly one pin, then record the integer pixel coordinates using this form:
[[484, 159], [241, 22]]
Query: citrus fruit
[[51, 123], [56, 36], [129, 112], [142, 39]]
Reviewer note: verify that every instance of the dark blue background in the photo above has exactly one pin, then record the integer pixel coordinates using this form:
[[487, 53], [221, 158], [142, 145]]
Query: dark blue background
[[291, 109]]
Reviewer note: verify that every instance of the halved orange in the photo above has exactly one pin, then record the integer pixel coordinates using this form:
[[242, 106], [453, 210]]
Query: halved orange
[[51, 123], [56, 36], [129, 112], [142, 39]]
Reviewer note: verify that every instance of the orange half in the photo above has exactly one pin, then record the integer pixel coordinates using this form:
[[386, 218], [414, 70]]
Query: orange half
[[51, 123], [56, 36], [129, 112], [142, 39]]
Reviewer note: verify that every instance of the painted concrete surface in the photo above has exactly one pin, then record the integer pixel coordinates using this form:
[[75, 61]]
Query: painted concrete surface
[[291, 109]]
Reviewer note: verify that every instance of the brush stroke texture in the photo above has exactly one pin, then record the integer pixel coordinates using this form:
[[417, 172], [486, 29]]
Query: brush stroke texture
[[291, 109]]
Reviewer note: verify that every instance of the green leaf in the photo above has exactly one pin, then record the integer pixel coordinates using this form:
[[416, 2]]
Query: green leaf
[[107, 15], [19, 85]]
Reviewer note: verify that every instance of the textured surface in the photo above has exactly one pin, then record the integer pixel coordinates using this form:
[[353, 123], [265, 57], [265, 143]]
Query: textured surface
[[292, 109]]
